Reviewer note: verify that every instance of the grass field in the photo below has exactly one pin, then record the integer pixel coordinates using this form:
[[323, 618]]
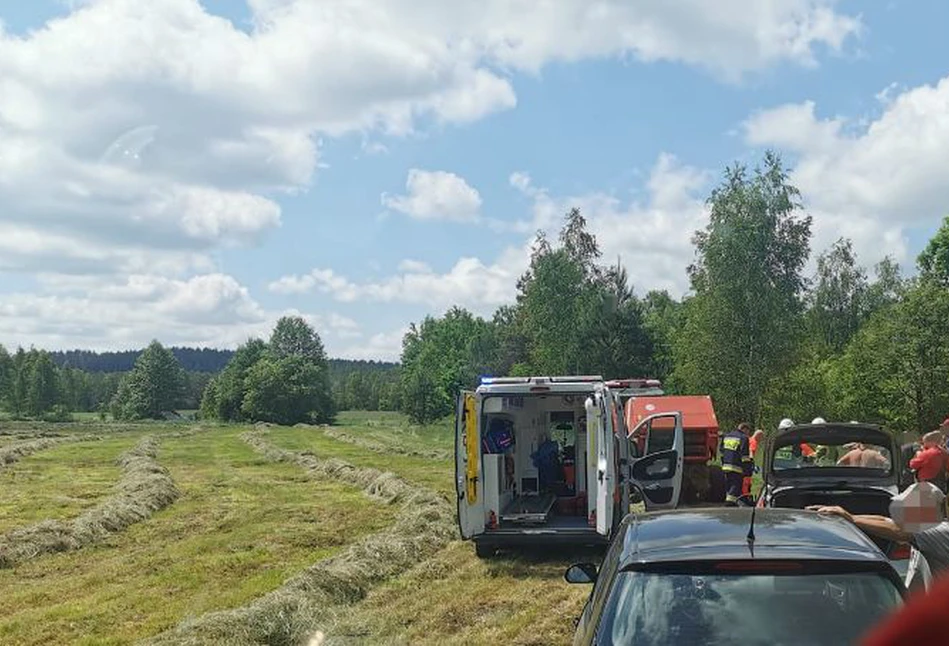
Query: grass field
[[244, 525]]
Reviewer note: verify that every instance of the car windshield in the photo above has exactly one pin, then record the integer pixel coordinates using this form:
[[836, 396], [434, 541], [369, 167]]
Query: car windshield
[[798, 455], [652, 609]]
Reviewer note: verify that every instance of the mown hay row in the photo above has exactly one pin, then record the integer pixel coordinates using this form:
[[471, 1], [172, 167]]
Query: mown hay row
[[19, 450], [379, 447], [144, 488], [313, 599]]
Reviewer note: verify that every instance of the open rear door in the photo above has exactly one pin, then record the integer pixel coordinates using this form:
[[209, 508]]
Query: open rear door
[[468, 480], [658, 475], [599, 427]]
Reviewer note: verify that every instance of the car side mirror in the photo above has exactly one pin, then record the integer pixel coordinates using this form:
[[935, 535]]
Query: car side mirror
[[581, 573], [658, 466]]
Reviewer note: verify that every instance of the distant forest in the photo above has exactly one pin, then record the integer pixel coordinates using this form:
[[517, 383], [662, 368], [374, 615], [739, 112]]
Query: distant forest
[[191, 360]]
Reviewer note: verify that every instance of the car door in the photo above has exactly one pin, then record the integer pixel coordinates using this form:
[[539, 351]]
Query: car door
[[658, 475], [468, 479]]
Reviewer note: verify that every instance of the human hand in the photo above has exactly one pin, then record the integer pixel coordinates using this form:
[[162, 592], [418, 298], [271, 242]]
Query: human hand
[[831, 510]]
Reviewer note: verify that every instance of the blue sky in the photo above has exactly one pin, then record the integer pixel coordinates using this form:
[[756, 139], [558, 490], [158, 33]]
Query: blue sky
[[274, 174]]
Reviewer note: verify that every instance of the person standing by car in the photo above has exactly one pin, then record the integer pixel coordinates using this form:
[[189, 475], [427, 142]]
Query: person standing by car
[[930, 463], [736, 462], [924, 527], [753, 441]]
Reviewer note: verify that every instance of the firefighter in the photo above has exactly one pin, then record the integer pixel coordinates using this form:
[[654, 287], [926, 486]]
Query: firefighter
[[736, 462]]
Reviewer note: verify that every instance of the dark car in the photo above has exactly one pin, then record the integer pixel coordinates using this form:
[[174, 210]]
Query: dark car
[[856, 466], [696, 577]]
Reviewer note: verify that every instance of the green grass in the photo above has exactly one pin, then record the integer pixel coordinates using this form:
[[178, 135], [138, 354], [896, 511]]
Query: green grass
[[433, 474], [59, 482], [395, 430], [453, 597], [242, 526]]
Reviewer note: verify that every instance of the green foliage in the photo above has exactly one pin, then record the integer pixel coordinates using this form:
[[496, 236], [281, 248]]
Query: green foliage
[[286, 390], [440, 357], [839, 299], [933, 262], [285, 381], [154, 386], [896, 369], [745, 318]]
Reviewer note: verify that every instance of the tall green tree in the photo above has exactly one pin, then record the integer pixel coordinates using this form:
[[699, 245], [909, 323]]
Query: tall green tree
[[839, 298], [224, 396], [287, 390], [42, 391], [896, 370], [294, 337], [745, 317], [933, 262], [154, 386]]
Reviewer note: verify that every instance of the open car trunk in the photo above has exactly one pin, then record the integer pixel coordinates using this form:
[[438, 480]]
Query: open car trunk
[[860, 501]]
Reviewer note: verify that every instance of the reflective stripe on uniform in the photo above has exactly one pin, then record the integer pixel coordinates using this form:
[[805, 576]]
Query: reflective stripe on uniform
[[730, 498], [747, 459], [731, 443], [732, 468]]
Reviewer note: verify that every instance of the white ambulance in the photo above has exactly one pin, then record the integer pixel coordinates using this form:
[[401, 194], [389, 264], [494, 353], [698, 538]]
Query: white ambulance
[[542, 460]]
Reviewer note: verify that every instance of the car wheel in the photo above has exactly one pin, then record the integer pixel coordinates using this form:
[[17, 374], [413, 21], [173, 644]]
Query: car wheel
[[484, 551]]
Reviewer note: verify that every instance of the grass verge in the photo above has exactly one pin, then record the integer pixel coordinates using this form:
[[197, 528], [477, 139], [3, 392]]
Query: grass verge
[[144, 488], [308, 602]]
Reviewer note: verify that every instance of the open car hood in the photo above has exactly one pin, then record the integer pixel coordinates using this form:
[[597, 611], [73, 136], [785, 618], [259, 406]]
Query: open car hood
[[837, 434]]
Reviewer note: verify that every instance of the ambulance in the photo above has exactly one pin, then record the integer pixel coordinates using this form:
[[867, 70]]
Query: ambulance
[[549, 460]]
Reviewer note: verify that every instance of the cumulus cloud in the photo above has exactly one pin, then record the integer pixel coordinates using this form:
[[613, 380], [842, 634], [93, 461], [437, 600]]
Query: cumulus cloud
[[385, 346], [436, 195], [651, 237], [205, 310], [139, 137], [871, 182]]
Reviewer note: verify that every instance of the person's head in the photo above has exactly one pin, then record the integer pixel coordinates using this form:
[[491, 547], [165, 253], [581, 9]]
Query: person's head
[[758, 434], [932, 438], [745, 428], [921, 506], [785, 423]]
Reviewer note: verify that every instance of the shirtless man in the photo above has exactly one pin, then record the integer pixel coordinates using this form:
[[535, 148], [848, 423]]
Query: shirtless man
[[861, 456]]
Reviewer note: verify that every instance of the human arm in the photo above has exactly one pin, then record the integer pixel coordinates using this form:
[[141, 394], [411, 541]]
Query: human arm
[[881, 526], [917, 461]]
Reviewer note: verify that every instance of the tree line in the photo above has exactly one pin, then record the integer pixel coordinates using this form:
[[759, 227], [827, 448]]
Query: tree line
[[758, 331], [46, 385]]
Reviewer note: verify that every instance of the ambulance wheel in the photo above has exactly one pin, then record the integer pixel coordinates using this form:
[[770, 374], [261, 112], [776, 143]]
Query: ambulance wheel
[[484, 551], [716, 484]]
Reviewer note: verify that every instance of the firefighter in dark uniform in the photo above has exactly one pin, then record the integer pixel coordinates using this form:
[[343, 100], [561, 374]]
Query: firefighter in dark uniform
[[737, 462]]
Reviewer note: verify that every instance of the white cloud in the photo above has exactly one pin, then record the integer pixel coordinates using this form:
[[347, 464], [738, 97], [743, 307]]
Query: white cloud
[[385, 346], [137, 138], [205, 310], [436, 195], [414, 266], [652, 238], [869, 183]]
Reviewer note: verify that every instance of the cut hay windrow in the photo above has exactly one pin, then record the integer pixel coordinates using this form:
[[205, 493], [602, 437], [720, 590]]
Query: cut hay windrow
[[312, 600], [144, 488], [380, 447], [18, 450]]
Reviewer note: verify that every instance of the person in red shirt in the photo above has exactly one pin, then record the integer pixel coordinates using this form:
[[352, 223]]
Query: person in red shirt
[[930, 463], [756, 437]]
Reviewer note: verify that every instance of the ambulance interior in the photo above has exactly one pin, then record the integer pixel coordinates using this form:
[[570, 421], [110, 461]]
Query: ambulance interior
[[534, 455]]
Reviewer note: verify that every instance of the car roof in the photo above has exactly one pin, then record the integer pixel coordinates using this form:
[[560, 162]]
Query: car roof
[[721, 533]]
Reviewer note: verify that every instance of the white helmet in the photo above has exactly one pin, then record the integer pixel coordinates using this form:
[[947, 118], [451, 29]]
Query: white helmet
[[785, 423], [819, 420]]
